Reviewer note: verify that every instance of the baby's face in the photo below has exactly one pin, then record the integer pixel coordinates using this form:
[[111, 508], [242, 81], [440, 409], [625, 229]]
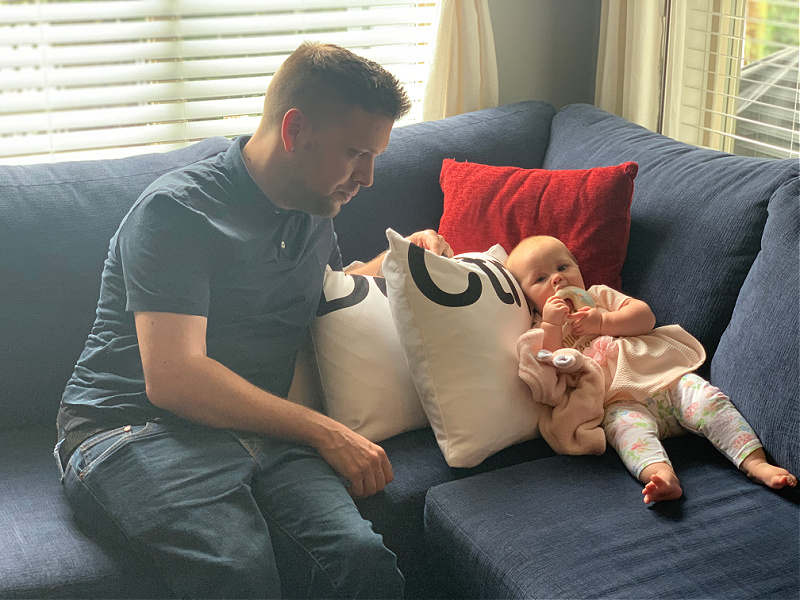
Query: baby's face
[[543, 269]]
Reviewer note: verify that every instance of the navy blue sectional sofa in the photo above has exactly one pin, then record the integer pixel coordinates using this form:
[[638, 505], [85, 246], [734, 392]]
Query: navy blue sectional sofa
[[713, 246]]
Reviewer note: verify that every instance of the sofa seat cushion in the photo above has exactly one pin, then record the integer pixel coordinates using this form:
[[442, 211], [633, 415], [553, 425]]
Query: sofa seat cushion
[[696, 218], [397, 512], [576, 527], [44, 554]]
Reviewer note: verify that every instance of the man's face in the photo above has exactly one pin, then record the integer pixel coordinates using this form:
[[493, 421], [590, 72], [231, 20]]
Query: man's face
[[336, 160]]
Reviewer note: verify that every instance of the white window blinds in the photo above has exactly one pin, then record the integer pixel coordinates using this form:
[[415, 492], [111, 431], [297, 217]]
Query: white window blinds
[[736, 84], [86, 79]]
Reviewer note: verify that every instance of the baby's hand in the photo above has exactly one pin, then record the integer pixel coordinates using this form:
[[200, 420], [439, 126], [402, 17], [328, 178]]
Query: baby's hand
[[586, 321], [555, 311]]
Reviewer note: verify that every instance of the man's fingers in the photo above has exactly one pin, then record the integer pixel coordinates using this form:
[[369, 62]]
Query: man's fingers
[[356, 489], [388, 472], [430, 240]]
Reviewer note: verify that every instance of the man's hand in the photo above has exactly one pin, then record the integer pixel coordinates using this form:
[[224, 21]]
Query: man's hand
[[430, 240], [363, 464]]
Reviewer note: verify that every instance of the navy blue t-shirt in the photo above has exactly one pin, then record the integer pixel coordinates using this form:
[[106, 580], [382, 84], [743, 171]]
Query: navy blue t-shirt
[[202, 240]]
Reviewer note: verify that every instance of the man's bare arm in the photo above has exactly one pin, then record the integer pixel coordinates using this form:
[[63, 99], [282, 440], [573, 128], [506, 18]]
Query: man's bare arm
[[427, 239], [182, 379]]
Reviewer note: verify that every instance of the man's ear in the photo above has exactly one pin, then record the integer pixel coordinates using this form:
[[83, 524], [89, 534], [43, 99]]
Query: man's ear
[[293, 123]]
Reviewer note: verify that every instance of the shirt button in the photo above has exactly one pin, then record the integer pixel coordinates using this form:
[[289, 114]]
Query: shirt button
[[283, 245]]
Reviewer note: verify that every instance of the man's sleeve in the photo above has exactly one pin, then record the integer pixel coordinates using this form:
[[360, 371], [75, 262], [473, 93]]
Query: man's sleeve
[[335, 261], [166, 253]]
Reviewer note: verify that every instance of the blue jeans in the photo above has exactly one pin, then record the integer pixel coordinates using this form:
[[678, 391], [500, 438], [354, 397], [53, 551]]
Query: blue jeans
[[200, 502]]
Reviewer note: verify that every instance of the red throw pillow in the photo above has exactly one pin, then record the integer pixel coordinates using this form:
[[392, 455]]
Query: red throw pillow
[[589, 210]]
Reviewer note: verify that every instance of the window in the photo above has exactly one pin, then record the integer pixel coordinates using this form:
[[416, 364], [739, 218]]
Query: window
[[86, 79], [737, 83]]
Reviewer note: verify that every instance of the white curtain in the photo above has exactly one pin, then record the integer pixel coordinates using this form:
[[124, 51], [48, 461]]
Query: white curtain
[[463, 74], [629, 60]]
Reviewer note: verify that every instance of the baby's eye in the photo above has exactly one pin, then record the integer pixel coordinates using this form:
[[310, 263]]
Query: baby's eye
[[563, 267], [540, 279]]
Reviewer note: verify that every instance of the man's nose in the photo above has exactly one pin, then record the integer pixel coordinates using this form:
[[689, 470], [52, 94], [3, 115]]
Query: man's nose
[[364, 173]]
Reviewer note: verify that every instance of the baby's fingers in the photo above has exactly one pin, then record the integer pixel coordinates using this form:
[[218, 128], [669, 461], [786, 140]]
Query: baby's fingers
[[577, 316]]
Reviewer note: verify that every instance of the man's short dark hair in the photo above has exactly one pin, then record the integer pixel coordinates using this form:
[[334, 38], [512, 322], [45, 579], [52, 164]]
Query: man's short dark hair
[[323, 79]]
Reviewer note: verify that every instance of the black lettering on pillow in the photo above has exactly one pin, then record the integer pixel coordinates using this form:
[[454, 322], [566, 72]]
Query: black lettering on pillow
[[380, 282], [505, 297], [422, 279], [359, 293]]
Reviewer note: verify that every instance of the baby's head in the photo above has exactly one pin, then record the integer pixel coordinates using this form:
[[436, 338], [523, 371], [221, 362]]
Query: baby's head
[[543, 265]]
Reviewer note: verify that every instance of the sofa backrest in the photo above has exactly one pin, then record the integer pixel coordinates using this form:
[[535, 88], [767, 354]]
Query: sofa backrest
[[56, 221], [406, 195]]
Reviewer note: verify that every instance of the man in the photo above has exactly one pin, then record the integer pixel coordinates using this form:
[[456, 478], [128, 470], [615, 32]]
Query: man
[[175, 434]]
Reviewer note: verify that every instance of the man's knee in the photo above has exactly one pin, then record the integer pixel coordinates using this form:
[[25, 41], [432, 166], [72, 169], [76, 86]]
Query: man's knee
[[371, 570], [249, 571]]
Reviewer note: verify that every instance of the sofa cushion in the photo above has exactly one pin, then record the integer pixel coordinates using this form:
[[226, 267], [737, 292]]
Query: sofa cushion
[[576, 527], [756, 363], [587, 209], [44, 554], [696, 219], [397, 512], [55, 224], [406, 195]]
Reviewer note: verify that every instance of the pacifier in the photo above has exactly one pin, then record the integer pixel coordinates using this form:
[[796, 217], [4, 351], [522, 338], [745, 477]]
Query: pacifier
[[575, 297]]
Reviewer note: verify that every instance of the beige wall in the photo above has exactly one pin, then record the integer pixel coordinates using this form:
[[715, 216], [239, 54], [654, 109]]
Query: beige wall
[[546, 49]]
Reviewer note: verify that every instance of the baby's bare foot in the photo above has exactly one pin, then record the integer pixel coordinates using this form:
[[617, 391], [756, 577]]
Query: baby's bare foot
[[661, 483], [756, 467], [771, 476]]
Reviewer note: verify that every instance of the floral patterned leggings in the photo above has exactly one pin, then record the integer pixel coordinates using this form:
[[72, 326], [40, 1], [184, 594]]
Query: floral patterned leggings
[[634, 429]]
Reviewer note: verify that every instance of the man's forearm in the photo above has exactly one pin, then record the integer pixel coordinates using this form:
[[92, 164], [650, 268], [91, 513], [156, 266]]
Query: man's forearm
[[205, 391], [372, 268]]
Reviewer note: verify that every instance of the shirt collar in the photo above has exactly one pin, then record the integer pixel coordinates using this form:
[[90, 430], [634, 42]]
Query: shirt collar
[[244, 182]]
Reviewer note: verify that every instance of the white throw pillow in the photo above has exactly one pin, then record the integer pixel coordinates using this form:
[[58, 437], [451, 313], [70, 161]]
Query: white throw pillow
[[365, 379], [459, 321], [306, 387]]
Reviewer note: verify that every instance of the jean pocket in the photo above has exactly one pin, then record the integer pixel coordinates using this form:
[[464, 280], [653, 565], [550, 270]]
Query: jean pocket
[[102, 445]]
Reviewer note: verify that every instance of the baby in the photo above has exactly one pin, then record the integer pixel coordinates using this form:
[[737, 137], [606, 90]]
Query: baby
[[651, 390]]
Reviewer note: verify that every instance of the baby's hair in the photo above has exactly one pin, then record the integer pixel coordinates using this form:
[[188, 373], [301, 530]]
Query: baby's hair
[[535, 240]]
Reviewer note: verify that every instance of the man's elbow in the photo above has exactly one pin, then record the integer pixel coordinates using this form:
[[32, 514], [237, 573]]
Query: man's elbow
[[164, 388], [159, 394]]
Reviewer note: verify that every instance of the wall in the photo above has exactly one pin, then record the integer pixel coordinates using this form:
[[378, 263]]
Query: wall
[[546, 49]]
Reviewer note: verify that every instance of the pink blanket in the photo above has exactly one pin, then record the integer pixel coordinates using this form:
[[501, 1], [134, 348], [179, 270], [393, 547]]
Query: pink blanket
[[570, 387]]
